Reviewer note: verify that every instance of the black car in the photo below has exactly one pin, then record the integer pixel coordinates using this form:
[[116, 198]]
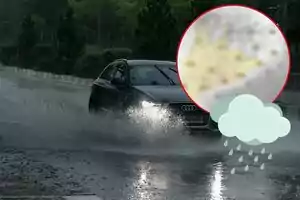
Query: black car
[[125, 84]]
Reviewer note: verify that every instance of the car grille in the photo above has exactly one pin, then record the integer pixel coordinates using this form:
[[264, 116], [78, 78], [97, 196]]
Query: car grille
[[190, 113]]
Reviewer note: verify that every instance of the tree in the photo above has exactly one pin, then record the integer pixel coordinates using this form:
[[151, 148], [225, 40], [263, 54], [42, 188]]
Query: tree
[[47, 15], [11, 16], [156, 33], [182, 13], [70, 42], [101, 18], [27, 41], [199, 7]]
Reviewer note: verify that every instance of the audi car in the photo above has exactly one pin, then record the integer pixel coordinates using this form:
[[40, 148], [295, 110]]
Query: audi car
[[152, 89]]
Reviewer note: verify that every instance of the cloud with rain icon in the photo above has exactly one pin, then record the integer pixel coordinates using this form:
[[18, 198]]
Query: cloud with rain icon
[[252, 121]]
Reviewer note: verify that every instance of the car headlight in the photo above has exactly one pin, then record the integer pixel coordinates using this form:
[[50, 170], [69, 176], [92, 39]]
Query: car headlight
[[148, 104], [154, 110]]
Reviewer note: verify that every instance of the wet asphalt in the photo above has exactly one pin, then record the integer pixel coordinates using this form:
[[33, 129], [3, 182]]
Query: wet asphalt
[[51, 145]]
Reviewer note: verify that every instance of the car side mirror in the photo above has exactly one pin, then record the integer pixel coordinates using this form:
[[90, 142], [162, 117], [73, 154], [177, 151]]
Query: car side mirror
[[118, 82]]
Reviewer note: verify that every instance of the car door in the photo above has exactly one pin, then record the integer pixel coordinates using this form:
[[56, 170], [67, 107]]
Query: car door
[[109, 93], [121, 90]]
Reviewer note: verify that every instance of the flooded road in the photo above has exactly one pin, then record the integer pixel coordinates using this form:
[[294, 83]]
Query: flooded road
[[51, 146]]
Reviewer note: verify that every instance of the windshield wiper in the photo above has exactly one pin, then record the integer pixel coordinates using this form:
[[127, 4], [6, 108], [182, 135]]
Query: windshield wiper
[[165, 75], [174, 70]]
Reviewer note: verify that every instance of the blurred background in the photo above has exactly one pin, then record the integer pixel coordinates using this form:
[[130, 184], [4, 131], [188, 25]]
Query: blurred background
[[79, 37]]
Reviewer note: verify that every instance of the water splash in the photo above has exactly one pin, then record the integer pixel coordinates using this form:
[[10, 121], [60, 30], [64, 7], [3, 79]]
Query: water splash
[[241, 159], [246, 168], [256, 159], [270, 156], [263, 151], [230, 152], [250, 152], [226, 143], [238, 148], [262, 167], [232, 171]]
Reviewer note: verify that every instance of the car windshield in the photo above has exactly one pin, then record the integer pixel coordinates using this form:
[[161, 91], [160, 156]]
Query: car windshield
[[154, 75]]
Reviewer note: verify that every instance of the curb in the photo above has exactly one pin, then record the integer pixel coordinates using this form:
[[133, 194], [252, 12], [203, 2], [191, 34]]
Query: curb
[[50, 76]]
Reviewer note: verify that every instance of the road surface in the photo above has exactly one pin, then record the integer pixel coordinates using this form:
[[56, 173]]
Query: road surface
[[51, 148]]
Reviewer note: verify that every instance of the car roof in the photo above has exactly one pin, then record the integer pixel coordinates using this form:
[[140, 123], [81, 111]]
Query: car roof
[[148, 62]]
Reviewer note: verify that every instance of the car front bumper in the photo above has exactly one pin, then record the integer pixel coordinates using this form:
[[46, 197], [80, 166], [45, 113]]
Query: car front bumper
[[167, 116], [201, 125], [196, 119]]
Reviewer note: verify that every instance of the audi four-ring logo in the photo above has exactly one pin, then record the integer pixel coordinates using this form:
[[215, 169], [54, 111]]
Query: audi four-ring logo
[[188, 107]]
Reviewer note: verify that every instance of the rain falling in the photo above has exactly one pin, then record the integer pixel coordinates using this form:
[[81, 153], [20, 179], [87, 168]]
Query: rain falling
[[270, 156], [232, 171], [230, 152], [263, 151], [241, 159], [256, 159], [250, 152], [226, 143]]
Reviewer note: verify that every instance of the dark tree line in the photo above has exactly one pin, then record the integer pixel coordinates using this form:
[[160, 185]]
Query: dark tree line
[[84, 35], [157, 32], [69, 42]]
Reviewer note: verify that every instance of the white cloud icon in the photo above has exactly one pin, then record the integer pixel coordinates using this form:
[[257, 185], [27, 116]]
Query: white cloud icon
[[249, 120]]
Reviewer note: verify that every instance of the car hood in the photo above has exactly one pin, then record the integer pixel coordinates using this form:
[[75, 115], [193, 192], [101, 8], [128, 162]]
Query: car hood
[[167, 94]]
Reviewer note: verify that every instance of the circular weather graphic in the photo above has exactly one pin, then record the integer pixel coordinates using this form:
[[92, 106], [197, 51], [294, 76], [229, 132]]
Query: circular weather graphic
[[233, 62], [232, 50]]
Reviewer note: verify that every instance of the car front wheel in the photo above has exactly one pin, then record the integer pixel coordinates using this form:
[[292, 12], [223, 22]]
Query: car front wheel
[[93, 104]]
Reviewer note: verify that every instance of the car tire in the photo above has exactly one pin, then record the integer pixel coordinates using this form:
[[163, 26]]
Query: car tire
[[214, 133], [207, 133], [213, 127], [93, 104]]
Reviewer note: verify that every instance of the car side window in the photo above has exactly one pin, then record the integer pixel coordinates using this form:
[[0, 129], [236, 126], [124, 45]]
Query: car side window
[[109, 72], [120, 71]]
